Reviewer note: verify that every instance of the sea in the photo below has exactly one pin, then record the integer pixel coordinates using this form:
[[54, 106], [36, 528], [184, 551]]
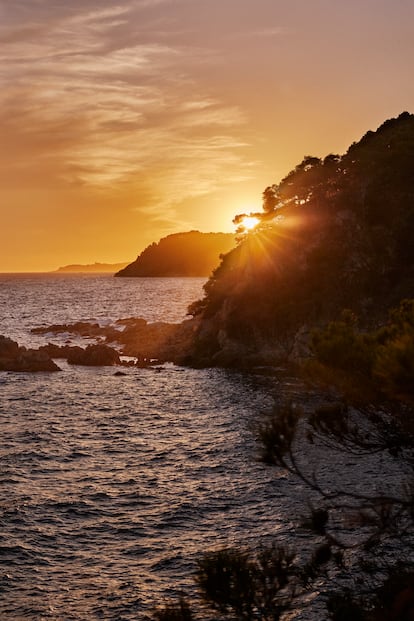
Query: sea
[[112, 487]]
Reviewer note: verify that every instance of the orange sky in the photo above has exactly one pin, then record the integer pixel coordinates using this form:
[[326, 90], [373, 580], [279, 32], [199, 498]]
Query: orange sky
[[125, 121]]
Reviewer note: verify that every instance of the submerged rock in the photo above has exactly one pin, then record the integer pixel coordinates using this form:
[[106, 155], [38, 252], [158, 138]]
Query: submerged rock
[[79, 327]]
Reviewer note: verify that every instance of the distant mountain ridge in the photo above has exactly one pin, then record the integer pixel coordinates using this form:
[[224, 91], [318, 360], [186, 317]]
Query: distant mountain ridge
[[92, 267], [181, 254]]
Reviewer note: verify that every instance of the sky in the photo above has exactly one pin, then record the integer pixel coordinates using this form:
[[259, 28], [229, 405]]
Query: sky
[[124, 121]]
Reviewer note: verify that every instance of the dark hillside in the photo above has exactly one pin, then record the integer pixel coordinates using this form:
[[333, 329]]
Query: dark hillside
[[181, 254], [335, 233]]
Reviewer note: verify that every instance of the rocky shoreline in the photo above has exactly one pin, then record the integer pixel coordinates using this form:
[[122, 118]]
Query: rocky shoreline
[[145, 344]]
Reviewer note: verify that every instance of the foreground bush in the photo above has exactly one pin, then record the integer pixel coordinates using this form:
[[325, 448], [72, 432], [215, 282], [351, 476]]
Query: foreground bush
[[268, 583], [383, 357]]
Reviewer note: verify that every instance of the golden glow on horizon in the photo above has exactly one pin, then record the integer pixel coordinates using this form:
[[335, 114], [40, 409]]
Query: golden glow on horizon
[[122, 125]]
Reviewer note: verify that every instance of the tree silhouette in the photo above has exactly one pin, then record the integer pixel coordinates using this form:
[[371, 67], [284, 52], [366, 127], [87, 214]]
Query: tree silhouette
[[349, 566], [335, 233]]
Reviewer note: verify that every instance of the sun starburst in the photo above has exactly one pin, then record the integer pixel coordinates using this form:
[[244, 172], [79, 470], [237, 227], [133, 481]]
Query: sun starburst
[[249, 222]]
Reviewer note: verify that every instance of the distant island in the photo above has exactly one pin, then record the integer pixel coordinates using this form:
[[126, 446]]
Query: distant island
[[181, 254], [109, 268]]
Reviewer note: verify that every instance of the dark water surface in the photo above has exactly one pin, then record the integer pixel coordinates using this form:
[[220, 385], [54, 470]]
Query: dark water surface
[[111, 486]]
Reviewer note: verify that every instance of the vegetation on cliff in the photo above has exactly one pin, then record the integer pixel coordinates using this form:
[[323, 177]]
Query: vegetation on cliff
[[335, 233], [332, 259], [376, 364], [181, 254]]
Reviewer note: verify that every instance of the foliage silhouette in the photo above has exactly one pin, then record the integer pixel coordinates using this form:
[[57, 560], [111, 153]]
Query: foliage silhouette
[[174, 612], [245, 584], [333, 254], [335, 233], [383, 357], [265, 584]]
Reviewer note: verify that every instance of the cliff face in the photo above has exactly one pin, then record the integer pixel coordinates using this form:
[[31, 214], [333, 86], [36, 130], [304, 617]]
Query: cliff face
[[181, 254], [335, 233]]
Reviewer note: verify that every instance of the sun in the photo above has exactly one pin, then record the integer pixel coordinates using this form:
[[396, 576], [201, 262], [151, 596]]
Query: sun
[[249, 222]]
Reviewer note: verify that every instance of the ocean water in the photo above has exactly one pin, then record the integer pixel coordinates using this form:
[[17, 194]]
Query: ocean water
[[32, 300], [111, 487]]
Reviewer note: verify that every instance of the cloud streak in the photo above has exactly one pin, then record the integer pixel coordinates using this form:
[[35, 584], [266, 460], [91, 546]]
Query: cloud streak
[[139, 114], [86, 102]]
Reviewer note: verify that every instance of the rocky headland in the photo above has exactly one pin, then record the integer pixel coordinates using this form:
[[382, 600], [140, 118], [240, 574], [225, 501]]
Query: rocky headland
[[181, 254], [335, 236]]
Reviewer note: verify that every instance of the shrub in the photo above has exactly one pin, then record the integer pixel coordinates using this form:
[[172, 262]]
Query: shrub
[[174, 612], [341, 346], [247, 585], [383, 358], [394, 367]]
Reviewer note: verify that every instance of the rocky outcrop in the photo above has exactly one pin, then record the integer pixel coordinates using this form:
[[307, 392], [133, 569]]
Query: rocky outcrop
[[58, 351], [80, 328], [211, 346], [146, 341], [149, 343], [94, 356], [16, 358]]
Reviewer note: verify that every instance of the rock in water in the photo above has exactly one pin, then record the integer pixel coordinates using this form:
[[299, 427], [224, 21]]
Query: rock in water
[[94, 356], [15, 358]]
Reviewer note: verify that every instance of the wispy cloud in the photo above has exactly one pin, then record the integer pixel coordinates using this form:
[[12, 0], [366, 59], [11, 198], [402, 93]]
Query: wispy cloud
[[271, 31], [87, 101]]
